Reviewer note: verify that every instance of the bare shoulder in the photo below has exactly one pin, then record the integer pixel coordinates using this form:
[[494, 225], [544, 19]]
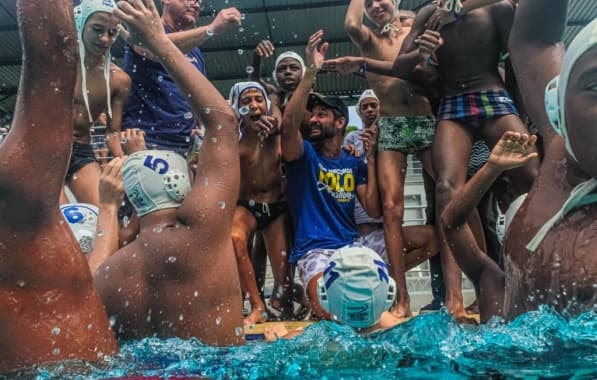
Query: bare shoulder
[[119, 77], [502, 9]]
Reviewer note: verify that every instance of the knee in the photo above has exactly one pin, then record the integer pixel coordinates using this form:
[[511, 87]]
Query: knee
[[444, 190], [240, 241], [393, 211]]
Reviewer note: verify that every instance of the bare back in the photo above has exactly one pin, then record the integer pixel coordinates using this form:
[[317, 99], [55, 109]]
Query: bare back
[[261, 176], [398, 97], [562, 272], [469, 57], [49, 309]]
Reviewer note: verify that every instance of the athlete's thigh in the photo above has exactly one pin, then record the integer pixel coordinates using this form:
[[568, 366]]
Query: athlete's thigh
[[85, 183], [450, 152]]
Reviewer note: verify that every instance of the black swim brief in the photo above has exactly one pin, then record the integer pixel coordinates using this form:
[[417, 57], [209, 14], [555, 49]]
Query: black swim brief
[[82, 155], [264, 213]]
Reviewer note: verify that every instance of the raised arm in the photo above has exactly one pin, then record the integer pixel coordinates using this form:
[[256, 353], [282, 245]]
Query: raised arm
[[359, 33], [292, 141], [536, 51], [264, 49], [187, 40], [34, 156]]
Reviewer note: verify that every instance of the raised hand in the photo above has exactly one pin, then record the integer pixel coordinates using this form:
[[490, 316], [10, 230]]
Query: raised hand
[[268, 125], [352, 150], [369, 138], [428, 43], [316, 50], [343, 65], [513, 150], [265, 48], [132, 140], [142, 22], [111, 187], [225, 20]]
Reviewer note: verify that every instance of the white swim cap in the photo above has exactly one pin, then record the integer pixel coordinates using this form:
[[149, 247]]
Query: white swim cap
[[367, 94], [82, 220], [155, 180], [555, 92], [555, 106], [288, 54], [82, 12], [238, 89], [356, 287]]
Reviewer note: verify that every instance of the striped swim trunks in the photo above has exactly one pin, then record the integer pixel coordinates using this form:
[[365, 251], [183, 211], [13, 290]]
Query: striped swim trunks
[[475, 109]]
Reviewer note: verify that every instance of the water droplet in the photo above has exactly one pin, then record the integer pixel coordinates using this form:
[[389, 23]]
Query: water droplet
[[207, 110], [239, 331], [123, 140], [219, 126], [244, 110], [251, 202], [218, 320], [240, 51], [56, 331], [172, 259], [250, 69], [188, 115], [283, 253], [160, 78], [125, 221], [56, 352], [126, 303], [241, 29], [112, 321], [180, 317], [214, 140], [222, 205], [21, 283], [187, 139], [205, 182], [158, 230], [90, 326], [243, 16], [196, 294], [101, 232]]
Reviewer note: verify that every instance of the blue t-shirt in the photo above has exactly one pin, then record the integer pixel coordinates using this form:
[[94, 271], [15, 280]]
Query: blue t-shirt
[[321, 197], [155, 103]]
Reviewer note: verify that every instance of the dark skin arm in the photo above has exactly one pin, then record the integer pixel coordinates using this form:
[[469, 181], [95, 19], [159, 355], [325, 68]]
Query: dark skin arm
[[264, 49], [536, 51], [119, 99], [369, 194]]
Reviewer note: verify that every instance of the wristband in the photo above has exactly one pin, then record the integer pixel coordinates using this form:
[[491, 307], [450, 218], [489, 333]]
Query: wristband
[[362, 70]]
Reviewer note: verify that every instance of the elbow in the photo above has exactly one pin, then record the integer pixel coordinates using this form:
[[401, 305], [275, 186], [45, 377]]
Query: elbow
[[352, 28]]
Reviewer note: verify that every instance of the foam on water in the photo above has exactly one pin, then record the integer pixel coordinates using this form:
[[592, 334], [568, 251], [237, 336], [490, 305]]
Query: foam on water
[[537, 344]]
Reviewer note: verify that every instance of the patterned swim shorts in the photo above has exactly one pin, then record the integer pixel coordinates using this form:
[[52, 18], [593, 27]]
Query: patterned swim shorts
[[406, 134]]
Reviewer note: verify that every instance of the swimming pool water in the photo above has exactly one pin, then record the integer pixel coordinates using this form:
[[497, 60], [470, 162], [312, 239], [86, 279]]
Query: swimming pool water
[[540, 344]]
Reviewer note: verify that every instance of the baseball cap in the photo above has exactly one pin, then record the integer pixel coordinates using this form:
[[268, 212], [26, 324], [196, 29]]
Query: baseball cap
[[327, 101], [356, 287]]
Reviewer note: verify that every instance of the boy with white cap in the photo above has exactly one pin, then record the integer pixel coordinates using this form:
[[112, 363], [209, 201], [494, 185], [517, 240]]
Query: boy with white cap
[[102, 89], [550, 245], [168, 282], [261, 204]]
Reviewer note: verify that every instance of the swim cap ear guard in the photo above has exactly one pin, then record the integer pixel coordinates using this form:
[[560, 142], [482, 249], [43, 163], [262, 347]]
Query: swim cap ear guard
[[82, 221], [155, 180], [552, 107], [356, 287]]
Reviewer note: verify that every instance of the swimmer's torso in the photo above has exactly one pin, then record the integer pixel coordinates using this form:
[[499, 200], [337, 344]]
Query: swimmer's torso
[[468, 59], [563, 271], [260, 170], [397, 97], [96, 87]]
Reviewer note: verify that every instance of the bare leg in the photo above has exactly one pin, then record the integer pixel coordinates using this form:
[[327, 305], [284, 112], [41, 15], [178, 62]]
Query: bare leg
[[277, 250], [451, 150], [391, 173], [85, 184], [243, 227], [420, 244]]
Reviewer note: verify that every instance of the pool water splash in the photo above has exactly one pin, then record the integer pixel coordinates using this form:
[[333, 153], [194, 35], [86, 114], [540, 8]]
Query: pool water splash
[[537, 344]]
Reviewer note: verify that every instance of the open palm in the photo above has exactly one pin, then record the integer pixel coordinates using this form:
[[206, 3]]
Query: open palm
[[513, 150]]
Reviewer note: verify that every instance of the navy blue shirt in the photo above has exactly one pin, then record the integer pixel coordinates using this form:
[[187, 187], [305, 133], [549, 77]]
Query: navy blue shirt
[[321, 197], [155, 103]]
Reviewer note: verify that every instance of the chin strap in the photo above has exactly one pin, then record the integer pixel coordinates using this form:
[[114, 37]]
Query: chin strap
[[579, 196]]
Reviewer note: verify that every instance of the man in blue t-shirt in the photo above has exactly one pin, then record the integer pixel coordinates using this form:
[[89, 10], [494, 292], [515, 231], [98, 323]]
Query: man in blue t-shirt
[[323, 180], [155, 104]]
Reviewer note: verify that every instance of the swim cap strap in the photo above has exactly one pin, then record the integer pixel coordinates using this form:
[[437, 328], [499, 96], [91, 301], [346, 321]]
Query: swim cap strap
[[578, 197]]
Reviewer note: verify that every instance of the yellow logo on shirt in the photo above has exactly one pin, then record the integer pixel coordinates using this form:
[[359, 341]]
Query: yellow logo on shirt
[[339, 183]]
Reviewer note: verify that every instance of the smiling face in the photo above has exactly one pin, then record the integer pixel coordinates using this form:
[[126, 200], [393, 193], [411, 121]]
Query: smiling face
[[289, 74], [369, 111], [381, 12], [581, 111], [255, 100], [100, 32], [324, 123]]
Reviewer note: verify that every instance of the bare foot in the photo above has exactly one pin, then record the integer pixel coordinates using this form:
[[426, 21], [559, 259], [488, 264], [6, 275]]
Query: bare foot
[[473, 308], [257, 315], [401, 310], [460, 315]]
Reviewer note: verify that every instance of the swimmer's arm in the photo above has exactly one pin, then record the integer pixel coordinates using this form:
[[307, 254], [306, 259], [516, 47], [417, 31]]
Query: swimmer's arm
[[409, 56], [353, 23], [119, 99], [537, 50], [369, 194], [111, 193], [292, 141], [186, 41]]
